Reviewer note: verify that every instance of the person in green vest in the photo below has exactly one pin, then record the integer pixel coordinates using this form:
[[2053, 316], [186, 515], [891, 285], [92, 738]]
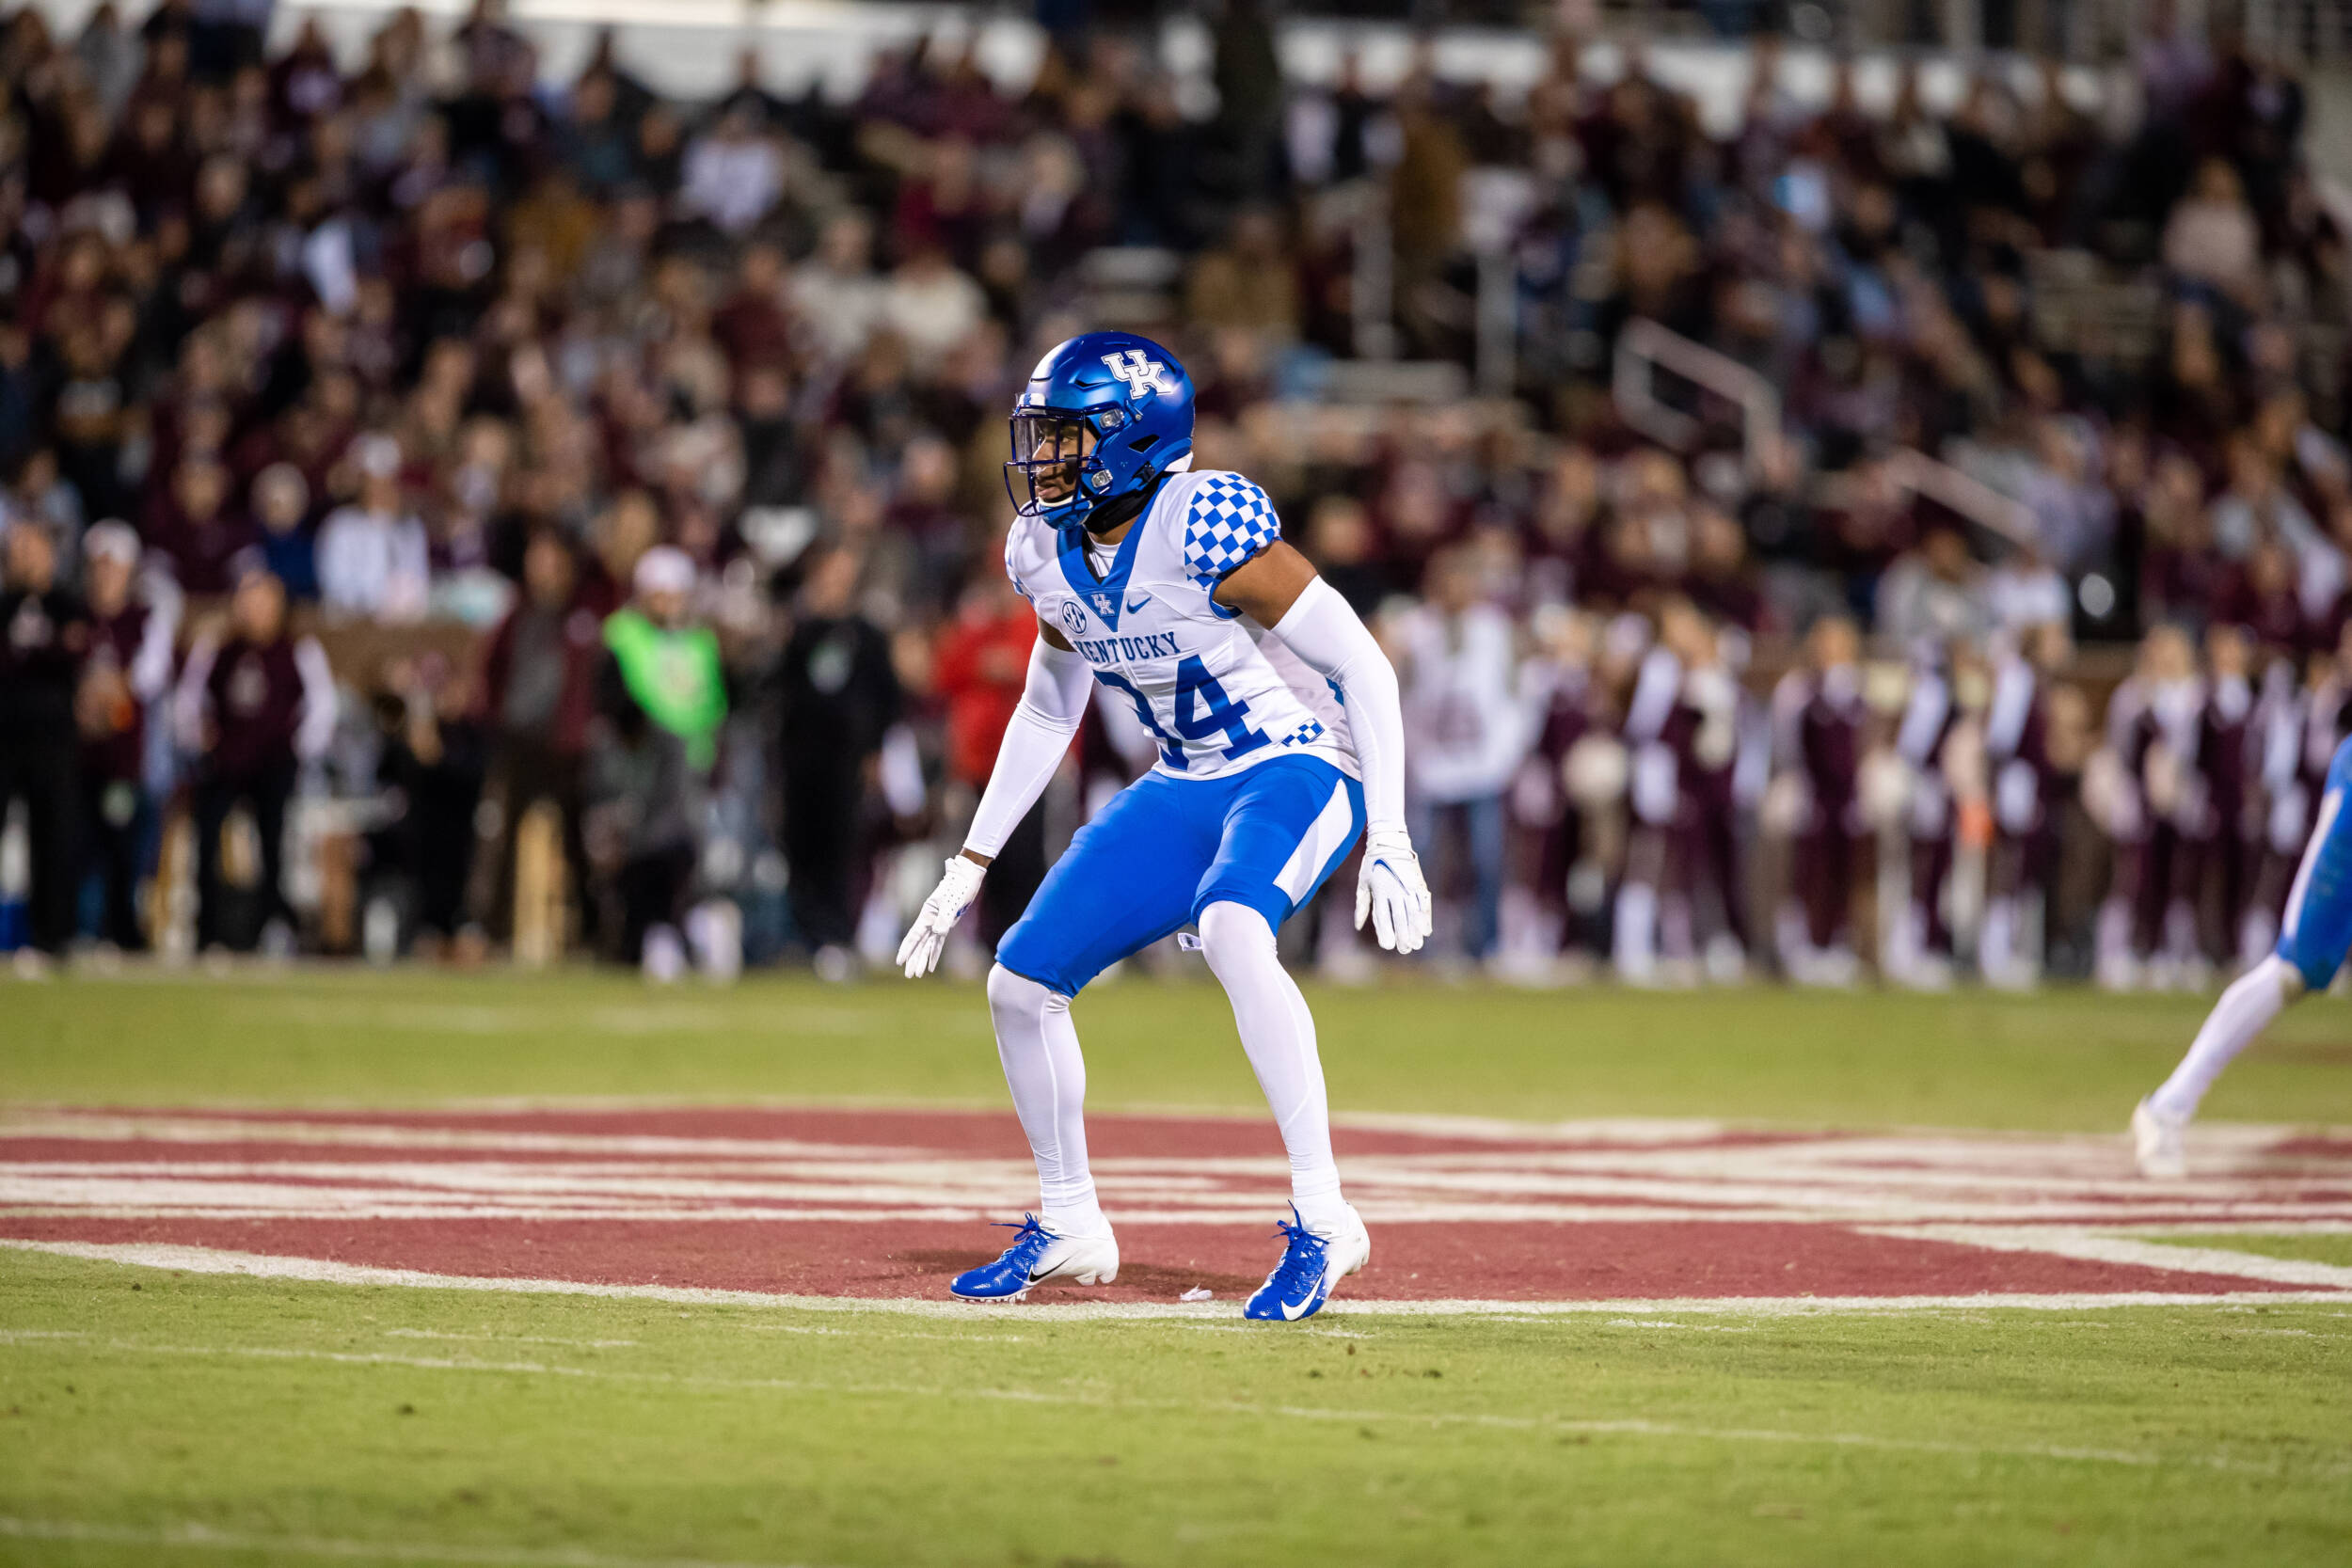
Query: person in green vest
[[670, 669], [663, 698]]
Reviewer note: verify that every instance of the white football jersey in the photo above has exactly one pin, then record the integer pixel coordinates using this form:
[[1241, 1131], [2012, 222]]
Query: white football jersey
[[1217, 692]]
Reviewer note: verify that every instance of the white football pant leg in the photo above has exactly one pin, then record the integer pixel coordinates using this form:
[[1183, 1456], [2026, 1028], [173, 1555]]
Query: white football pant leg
[[1039, 1047], [1279, 1034]]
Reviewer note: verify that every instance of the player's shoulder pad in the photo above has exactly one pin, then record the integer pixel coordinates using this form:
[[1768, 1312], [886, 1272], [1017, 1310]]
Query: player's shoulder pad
[[1228, 520], [1029, 551]]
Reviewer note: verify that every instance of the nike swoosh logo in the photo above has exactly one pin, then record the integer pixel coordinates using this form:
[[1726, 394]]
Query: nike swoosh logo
[[1139, 604], [1292, 1314]]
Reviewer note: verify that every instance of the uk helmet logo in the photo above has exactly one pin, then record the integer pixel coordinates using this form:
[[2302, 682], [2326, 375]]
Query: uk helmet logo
[[1105, 605], [1142, 374]]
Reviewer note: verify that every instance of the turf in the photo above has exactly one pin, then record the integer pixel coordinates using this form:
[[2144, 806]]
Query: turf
[[151, 1417], [438, 1422], [2067, 1060]]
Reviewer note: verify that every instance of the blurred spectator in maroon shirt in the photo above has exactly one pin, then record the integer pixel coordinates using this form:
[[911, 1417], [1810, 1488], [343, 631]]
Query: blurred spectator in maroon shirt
[[538, 695], [44, 635], [2261, 596], [200, 532], [1820, 713], [751, 327], [254, 702], [127, 668], [1721, 580], [925, 513]]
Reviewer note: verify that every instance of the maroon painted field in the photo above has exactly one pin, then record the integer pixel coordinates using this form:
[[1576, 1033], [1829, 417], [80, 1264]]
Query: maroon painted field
[[888, 1204]]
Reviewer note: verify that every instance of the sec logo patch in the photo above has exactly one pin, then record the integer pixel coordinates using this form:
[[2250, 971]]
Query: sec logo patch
[[1073, 617]]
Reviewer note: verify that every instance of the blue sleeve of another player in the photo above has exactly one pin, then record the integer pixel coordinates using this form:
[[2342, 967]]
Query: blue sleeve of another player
[[2317, 926], [1230, 521]]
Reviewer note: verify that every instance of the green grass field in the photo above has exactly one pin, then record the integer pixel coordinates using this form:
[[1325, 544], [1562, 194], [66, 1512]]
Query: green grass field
[[148, 1416]]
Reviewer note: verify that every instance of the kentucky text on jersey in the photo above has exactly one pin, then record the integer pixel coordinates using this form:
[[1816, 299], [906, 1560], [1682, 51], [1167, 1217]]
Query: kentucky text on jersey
[[1113, 650]]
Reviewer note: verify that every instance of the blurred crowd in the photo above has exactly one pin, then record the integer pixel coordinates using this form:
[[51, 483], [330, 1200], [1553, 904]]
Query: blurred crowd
[[391, 447]]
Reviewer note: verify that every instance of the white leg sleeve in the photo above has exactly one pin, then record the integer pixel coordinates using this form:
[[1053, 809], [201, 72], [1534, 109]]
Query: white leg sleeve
[[1279, 1034], [2243, 1011], [1039, 1047]]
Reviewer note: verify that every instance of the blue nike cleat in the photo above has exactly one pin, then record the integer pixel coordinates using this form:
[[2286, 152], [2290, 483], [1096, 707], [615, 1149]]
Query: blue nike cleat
[[1311, 1265], [1036, 1256]]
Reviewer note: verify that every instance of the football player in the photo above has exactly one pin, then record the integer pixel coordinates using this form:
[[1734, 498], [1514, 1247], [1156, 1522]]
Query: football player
[[1280, 742], [2313, 937]]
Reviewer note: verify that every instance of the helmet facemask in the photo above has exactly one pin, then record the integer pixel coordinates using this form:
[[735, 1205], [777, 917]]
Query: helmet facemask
[[1056, 472]]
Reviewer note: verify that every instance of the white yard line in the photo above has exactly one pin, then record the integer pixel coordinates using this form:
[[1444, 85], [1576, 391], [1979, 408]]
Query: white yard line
[[200, 1536], [1388, 1190], [506, 1338], [2059, 1241], [1112, 1403], [209, 1260]]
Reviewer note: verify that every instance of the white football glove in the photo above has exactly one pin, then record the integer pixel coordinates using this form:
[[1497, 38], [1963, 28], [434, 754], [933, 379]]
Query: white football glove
[[918, 954], [1390, 890]]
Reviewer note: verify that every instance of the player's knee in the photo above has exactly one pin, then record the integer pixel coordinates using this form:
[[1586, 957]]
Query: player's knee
[[2297, 974], [1016, 997], [1235, 933]]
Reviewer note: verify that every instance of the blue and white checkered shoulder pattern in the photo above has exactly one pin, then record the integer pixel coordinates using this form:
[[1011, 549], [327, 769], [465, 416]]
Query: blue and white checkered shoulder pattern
[[1230, 521]]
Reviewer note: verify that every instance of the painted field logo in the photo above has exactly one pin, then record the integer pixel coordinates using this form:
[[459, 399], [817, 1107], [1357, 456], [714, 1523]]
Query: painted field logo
[[887, 1204]]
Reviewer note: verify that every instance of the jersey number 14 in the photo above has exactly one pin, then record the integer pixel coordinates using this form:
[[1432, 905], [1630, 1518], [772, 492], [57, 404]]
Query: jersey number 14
[[1203, 710]]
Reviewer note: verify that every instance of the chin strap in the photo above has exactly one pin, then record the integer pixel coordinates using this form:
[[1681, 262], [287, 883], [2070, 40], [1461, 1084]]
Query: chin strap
[[1105, 516]]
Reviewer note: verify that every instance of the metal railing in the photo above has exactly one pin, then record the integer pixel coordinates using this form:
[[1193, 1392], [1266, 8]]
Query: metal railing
[[1644, 347]]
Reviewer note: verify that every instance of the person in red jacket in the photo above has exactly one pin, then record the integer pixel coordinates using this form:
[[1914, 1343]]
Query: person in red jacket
[[979, 666]]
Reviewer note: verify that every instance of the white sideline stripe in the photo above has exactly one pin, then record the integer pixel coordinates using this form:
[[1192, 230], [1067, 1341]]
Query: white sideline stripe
[[2061, 1243], [1616, 1426], [212, 1261], [200, 1537]]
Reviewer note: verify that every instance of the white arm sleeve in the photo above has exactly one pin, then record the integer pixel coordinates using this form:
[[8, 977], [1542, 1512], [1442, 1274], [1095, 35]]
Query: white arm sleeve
[[1335, 643], [1047, 716]]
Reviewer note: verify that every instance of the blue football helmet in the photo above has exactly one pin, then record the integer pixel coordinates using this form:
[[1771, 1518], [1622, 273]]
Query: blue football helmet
[[1103, 416]]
